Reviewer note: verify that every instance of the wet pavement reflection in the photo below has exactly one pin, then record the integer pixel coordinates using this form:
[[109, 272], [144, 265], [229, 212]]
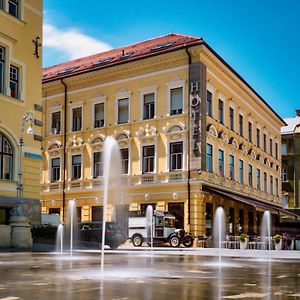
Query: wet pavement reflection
[[140, 276]]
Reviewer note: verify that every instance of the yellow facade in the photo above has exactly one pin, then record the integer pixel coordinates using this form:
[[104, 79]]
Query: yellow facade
[[159, 74], [20, 92]]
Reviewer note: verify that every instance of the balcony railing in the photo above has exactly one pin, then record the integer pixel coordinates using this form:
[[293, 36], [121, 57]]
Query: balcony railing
[[150, 178]]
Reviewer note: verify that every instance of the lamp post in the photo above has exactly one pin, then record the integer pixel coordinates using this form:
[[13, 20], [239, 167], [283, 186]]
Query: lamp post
[[27, 118], [20, 227]]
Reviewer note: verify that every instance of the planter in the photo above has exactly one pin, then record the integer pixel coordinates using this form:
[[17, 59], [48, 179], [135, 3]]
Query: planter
[[278, 246], [243, 245]]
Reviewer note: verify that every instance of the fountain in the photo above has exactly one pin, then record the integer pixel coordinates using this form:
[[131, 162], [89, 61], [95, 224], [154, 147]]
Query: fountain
[[219, 230], [149, 226], [265, 232], [70, 233], [112, 183], [60, 238]]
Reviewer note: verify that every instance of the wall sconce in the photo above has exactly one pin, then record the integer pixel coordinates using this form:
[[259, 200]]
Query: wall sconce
[[175, 196], [37, 45], [147, 197]]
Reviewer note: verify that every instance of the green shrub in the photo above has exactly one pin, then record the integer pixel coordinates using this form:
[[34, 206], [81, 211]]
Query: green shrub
[[277, 238], [243, 237]]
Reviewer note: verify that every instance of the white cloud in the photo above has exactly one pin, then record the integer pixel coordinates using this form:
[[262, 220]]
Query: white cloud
[[71, 42]]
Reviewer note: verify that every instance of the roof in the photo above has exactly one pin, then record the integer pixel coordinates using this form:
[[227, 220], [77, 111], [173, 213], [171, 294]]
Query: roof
[[147, 48], [292, 123], [142, 49]]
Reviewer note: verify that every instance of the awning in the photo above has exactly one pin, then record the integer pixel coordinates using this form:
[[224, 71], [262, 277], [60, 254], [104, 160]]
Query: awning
[[254, 202]]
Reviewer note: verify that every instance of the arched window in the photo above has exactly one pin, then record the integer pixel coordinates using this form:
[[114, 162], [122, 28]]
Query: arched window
[[6, 159]]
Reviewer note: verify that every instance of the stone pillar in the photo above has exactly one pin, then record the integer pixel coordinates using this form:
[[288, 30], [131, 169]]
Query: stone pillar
[[20, 232], [5, 236]]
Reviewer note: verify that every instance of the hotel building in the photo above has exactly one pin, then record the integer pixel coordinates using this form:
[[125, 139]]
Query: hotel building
[[193, 135]]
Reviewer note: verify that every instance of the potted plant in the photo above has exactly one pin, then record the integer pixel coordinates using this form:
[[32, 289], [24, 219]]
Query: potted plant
[[243, 238], [278, 241]]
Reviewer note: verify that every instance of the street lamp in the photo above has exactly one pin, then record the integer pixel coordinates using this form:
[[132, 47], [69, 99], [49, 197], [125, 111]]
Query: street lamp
[[27, 118]]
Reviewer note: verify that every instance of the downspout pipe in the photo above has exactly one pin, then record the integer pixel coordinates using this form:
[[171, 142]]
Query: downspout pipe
[[64, 150], [189, 142]]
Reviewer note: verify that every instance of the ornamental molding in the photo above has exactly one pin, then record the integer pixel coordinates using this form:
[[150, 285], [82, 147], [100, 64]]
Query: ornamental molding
[[147, 133], [75, 143], [223, 136], [234, 143], [212, 130], [243, 148]]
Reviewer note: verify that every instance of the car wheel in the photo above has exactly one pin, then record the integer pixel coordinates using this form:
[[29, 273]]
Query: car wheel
[[174, 241], [137, 240], [188, 241]]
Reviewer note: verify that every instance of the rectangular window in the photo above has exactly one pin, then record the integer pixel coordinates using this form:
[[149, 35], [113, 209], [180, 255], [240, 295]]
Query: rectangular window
[[209, 158], [13, 8], [76, 119], [271, 184], [258, 179], [276, 150], [265, 142], [265, 182], [276, 187], [55, 122], [55, 169], [2, 63], [271, 147], [1, 4], [250, 132], [148, 159], [14, 82], [231, 118], [98, 164], [284, 175], [231, 166], [124, 160], [149, 106], [76, 167], [123, 110], [284, 149], [258, 138], [221, 162], [176, 104], [176, 156], [250, 178], [99, 115], [209, 103], [241, 125], [241, 171], [221, 111]]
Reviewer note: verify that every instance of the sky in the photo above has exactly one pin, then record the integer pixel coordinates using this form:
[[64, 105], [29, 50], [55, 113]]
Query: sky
[[260, 39]]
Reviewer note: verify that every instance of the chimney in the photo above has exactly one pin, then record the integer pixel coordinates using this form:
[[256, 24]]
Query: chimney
[[298, 112]]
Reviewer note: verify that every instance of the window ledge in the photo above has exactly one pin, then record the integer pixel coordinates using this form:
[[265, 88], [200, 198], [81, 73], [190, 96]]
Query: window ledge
[[12, 18], [11, 100]]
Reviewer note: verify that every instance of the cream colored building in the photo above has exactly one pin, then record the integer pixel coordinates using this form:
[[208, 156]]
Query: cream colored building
[[193, 134], [20, 91]]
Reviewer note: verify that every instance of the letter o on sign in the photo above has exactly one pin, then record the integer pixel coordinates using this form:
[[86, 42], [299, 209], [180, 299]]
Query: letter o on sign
[[195, 101]]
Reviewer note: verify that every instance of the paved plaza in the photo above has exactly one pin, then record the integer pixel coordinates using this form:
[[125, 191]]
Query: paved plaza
[[164, 274]]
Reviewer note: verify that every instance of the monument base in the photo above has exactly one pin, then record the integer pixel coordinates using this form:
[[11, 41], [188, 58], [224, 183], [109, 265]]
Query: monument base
[[20, 232]]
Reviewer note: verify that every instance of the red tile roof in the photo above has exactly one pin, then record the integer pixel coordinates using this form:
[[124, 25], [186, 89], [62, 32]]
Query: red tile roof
[[119, 55]]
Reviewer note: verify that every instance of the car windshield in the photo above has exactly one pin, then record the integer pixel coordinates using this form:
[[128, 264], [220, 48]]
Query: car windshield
[[169, 222]]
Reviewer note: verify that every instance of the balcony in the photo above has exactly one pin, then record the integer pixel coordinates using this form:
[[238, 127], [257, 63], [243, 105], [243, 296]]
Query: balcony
[[141, 179]]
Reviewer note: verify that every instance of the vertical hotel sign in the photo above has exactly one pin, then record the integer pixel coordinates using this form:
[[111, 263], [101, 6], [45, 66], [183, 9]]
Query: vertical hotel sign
[[197, 135]]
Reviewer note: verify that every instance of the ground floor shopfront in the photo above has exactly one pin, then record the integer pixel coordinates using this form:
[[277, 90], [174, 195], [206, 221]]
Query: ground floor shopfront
[[194, 211]]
